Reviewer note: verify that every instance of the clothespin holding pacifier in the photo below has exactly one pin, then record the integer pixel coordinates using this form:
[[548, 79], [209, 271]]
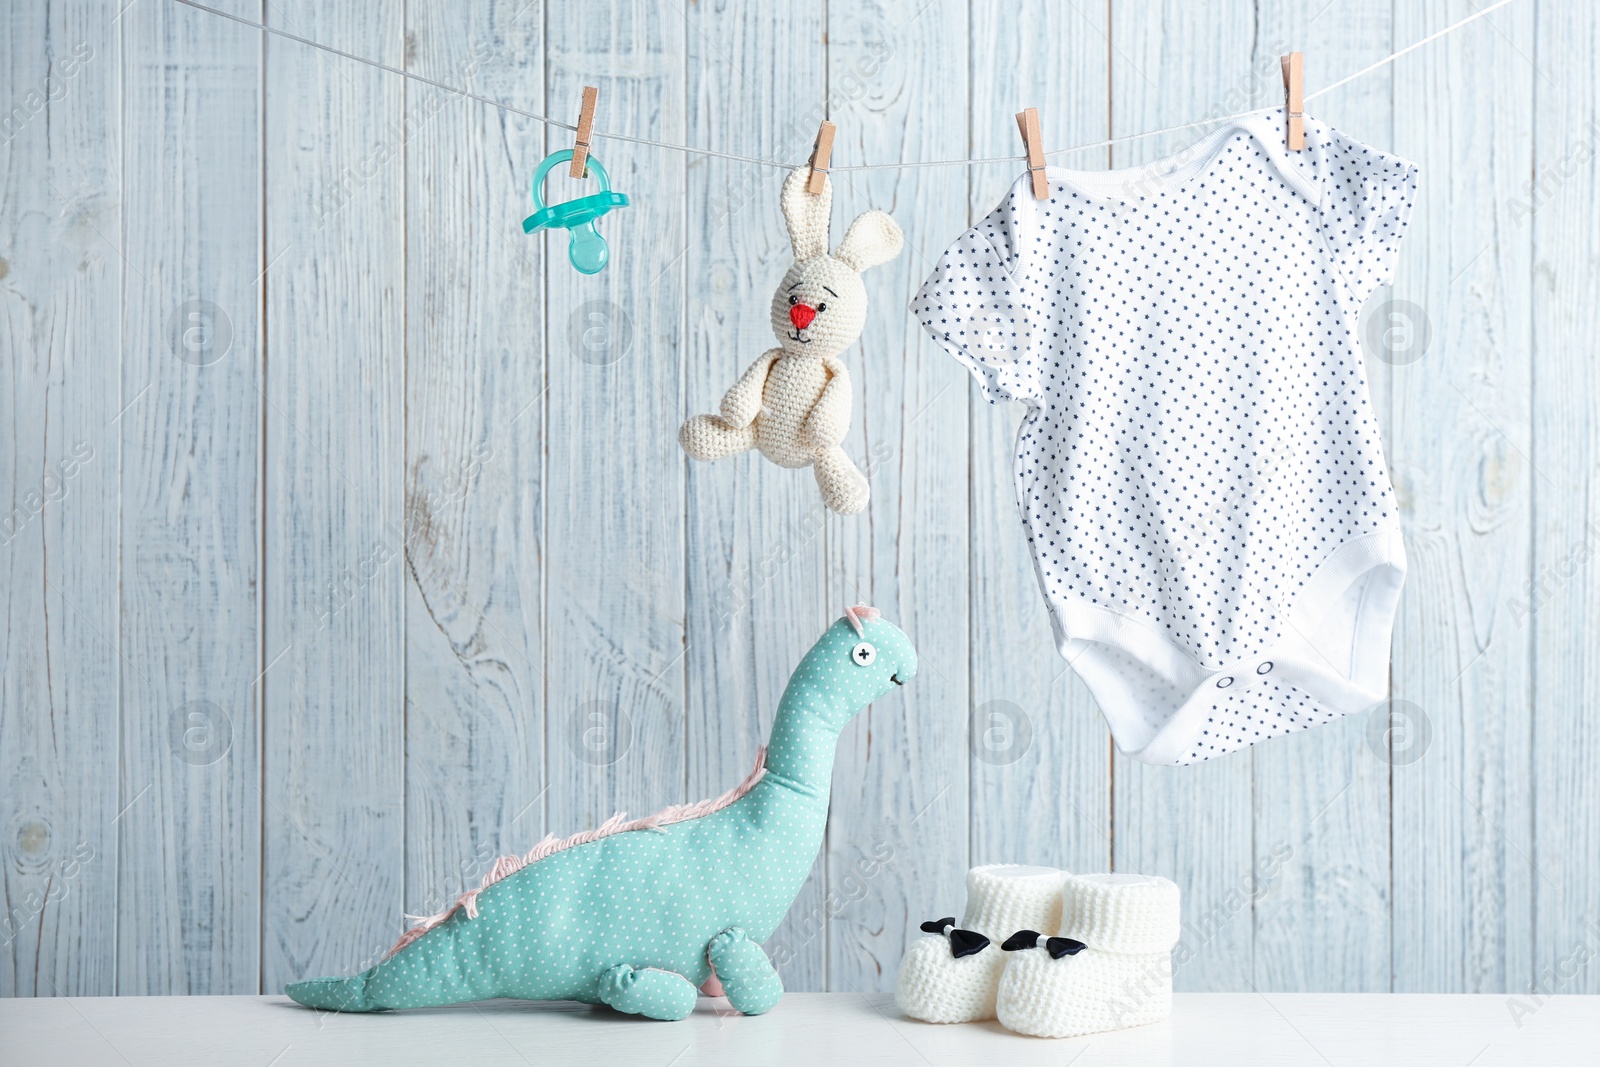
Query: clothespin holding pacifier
[[586, 249]]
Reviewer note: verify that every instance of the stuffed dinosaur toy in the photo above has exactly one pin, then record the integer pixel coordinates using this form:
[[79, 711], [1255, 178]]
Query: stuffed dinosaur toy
[[642, 914], [794, 402]]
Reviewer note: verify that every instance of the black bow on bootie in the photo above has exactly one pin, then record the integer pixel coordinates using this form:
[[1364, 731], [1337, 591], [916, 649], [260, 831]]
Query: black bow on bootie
[[1063, 946], [1020, 940], [962, 942], [967, 943], [1056, 946]]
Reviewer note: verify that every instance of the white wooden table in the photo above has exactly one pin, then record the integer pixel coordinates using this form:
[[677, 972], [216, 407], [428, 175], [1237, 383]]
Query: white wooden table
[[1235, 1029]]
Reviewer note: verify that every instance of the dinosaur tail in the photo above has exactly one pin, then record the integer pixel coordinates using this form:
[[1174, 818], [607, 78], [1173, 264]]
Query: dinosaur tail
[[334, 994], [437, 968]]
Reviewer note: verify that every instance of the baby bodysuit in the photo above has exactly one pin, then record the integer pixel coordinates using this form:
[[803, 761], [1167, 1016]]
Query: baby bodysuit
[[1199, 471]]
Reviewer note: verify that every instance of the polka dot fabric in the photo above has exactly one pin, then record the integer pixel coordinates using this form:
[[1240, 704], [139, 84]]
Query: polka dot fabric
[[1243, 719], [1199, 473], [636, 920]]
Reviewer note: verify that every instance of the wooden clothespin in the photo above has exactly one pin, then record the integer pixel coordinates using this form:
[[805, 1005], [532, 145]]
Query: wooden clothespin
[[580, 147], [1294, 97], [821, 153], [1028, 126]]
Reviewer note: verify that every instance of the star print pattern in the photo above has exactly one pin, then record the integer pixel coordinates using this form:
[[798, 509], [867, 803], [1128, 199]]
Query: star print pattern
[[1200, 440]]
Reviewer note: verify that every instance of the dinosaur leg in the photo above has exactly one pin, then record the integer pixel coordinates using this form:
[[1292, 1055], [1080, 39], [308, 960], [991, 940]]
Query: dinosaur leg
[[747, 977], [844, 489], [646, 991], [710, 437]]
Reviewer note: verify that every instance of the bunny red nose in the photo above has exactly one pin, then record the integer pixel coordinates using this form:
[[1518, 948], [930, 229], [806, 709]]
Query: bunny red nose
[[801, 315]]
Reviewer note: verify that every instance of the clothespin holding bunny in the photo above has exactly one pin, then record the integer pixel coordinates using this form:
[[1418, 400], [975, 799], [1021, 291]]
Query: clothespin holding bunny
[[821, 155]]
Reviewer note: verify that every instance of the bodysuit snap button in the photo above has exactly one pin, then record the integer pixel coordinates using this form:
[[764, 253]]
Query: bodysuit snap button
[[1265, 668], [1224, 682]]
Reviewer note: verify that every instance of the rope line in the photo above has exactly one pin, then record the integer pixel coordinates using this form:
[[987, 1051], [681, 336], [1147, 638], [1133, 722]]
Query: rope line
[[755, 161]]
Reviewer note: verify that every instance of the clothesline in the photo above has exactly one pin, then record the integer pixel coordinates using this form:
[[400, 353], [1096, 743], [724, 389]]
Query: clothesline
[[599, 134]]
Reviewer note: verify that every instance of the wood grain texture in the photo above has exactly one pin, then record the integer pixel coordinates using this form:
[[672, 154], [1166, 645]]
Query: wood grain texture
[[1561, 608], [755, 578], [1194, 824], [422, 535], [900, 797], [474, 439], [189, 912], [614, 636], [1321, 910], [61, 273], [334, 565], [1040, 752], [1461, 455]]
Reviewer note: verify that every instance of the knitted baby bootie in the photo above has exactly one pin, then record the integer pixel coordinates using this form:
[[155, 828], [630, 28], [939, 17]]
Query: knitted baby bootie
[[1109, 967], [951, 974]]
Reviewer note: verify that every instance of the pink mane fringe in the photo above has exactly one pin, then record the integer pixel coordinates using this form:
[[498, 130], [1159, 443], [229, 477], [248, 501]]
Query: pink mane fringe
[[617, 824]]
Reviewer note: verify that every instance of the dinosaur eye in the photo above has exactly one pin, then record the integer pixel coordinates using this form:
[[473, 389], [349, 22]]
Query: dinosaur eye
[[794, 300], [863, 655], [821, 308]]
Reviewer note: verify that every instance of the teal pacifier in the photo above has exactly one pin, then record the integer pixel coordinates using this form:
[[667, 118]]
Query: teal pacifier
[[585, 247]]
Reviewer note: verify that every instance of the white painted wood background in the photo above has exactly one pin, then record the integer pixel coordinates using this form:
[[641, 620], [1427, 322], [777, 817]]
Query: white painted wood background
[[388, 561]]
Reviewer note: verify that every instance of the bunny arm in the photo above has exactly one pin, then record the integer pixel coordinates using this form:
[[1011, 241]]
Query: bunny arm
[[742, 403], [829, 419]]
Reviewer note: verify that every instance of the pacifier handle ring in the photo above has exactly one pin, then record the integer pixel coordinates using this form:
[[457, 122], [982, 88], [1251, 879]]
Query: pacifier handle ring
[[555, 159]]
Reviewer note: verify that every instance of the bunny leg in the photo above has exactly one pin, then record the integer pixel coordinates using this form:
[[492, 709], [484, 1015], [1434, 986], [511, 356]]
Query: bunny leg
[[709, 437], [844, 489]]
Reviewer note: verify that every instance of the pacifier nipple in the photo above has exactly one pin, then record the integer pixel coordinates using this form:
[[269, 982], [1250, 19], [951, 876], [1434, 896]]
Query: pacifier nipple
[[587, 249]]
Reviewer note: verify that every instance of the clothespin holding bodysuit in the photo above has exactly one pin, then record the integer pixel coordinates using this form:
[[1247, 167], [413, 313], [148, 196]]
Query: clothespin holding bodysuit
[[1294, 100], [1028, 126]]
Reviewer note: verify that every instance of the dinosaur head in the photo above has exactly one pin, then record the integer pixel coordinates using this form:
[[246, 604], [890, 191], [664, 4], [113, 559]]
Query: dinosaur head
[[862, 657]]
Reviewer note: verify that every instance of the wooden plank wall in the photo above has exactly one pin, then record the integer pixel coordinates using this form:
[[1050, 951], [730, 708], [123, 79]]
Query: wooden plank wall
[[1466, 474], [62, 278], [1039, 751], [1320, 808], [333, 683], [756, 568], [1558, 840], [345, 544], [188, 912], [474, 431]]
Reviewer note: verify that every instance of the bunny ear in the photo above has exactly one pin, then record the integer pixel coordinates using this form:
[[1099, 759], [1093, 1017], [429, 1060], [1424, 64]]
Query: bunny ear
[[872, 239], [807, 215]]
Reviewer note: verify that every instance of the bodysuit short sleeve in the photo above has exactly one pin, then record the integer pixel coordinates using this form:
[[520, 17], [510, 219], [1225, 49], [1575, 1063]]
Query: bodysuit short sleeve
[[974, 306], [1366, 198]]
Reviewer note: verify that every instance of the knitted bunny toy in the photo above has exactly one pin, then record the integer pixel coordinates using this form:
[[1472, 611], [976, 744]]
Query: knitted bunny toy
[[794, 402]]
